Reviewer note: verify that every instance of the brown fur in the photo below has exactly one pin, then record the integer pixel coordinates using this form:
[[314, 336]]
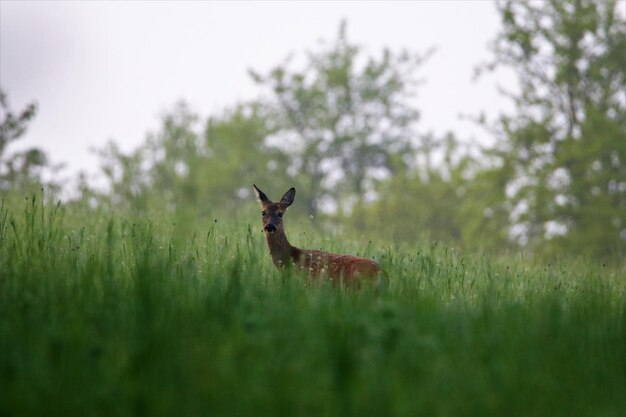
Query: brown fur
[[339, 268]]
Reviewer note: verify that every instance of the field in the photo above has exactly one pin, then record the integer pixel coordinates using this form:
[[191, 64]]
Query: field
[[109, 315]]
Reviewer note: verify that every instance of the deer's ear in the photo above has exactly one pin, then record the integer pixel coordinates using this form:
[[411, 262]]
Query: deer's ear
[[288, 198], [261, 197]]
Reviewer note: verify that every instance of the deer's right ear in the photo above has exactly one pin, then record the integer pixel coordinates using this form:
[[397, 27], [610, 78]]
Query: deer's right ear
[[261, 197]]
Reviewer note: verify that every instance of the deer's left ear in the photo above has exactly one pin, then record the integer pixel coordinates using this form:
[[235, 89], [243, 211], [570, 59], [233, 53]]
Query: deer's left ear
[[288, 198], [261, 197]]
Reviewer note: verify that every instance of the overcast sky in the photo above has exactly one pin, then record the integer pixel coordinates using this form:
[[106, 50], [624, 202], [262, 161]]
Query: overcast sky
[[107, 70]]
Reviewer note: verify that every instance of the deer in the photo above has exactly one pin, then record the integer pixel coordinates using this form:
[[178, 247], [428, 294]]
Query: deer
[[347, 269]]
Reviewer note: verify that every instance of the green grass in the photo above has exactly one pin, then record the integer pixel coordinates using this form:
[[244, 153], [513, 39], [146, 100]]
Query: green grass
[[104, 315]]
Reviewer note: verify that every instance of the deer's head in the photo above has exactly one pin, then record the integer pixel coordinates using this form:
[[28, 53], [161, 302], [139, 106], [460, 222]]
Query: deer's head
[[272, 213]]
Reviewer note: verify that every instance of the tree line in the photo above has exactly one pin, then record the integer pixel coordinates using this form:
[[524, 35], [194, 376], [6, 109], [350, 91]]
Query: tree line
[[343, 129]]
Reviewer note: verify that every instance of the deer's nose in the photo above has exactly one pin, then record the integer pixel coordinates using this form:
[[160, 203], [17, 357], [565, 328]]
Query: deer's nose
[[270, 228]]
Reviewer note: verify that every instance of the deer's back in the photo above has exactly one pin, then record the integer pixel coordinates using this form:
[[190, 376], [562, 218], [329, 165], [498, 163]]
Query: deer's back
[[336, 266]]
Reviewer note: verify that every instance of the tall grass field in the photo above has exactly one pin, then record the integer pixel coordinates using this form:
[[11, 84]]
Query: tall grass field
[[110, 315]]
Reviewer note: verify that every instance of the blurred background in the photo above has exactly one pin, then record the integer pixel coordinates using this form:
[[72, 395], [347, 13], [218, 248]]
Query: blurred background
[[489, 126]]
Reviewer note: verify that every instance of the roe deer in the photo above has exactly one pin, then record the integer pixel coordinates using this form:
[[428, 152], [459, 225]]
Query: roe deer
[[347, 268]]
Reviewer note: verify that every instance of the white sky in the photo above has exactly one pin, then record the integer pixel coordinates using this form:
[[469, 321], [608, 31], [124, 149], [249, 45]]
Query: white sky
[[107, 70]]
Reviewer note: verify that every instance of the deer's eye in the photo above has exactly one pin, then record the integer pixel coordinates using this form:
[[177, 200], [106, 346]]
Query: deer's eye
[[280, 214], [263, 213]]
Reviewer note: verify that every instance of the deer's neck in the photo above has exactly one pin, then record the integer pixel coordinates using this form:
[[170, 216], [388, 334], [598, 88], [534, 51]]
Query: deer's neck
[[280, 249]]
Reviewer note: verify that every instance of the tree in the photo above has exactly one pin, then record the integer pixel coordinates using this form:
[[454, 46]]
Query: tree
[[563, 152], [343, 120], [447, 197], [18, 170], [191, 170]]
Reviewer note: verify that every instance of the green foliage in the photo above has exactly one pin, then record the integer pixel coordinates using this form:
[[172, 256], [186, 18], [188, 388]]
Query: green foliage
[[19, 171], [102, 314], [563, 153], [192, 172], [344, 120], [448, 197]]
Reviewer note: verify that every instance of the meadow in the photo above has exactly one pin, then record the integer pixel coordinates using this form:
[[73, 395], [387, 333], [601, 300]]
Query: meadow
[[106, 314]]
